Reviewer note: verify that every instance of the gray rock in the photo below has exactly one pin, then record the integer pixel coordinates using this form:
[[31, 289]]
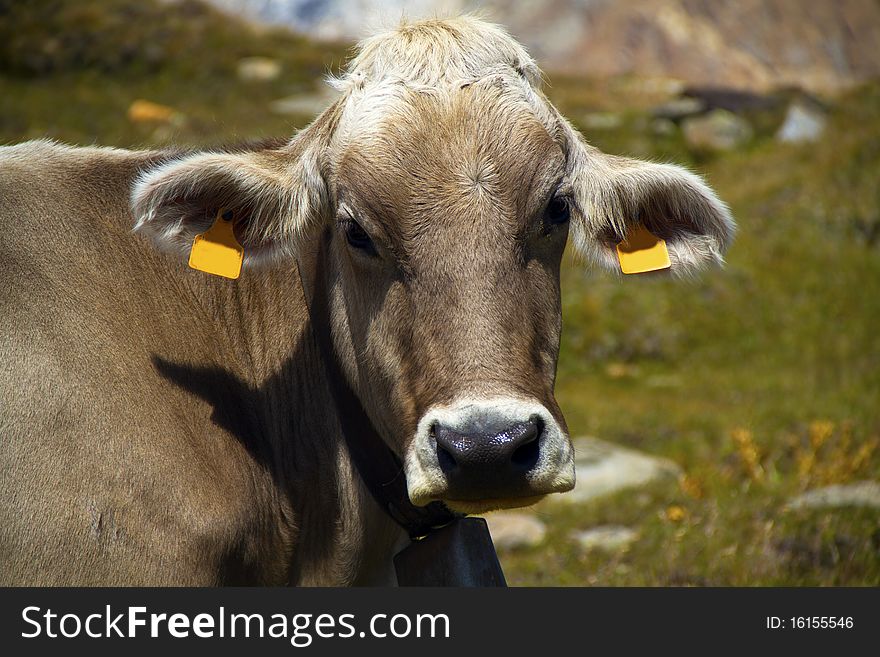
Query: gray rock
[[861, 493], [258, 69], [604, 468], [802, 124], [737, 101], [663, 127], [511, 530], [679, 108], [606, 537], [719, 130], [305, 104], [601, 120], [653, 85]]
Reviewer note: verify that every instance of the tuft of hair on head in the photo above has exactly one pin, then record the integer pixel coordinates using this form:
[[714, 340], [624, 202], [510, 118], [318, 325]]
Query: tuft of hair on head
[[437, 52]]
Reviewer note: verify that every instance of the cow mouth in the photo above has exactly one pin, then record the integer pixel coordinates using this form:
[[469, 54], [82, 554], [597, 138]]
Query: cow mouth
[[472, 507], [470, 503]]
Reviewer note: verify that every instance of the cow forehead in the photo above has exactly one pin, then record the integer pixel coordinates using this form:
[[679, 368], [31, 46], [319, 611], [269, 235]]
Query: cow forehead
[[497, 96], [428, 157]]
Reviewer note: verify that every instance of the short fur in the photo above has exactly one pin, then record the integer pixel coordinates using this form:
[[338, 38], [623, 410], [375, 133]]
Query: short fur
[[163, 427]]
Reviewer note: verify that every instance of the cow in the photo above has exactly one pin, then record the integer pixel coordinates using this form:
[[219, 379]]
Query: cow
[[160, 426]]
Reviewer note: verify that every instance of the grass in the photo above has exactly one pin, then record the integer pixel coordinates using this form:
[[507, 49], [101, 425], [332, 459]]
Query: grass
[[761, 380], [70, 70]]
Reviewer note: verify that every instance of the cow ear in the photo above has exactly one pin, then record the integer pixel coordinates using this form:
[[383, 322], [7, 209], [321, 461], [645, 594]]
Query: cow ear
[[613, 195], [274, 196]]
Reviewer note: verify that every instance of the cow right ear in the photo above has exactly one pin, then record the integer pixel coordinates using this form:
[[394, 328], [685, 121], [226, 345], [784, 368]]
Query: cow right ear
[[274, 196], [614, 196]]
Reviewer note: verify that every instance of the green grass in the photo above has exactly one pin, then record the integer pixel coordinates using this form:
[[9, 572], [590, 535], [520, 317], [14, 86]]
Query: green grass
[[761, 380], [781, 343], [70, 70]]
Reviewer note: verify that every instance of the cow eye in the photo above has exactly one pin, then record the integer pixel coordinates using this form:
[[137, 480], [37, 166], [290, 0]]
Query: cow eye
[[558, 212], [357, 237]]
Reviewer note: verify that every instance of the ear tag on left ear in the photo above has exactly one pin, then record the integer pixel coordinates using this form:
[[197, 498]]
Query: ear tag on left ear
[[216, 251], [642, 251]]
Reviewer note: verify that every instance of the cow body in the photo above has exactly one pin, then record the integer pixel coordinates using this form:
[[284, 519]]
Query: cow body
[[159, 426]]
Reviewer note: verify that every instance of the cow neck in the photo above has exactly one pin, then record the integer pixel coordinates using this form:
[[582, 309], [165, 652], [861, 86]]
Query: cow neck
[[377, 465]]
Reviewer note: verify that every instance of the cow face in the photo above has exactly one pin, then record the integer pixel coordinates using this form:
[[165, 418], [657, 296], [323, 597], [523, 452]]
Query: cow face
[[433, 218], [445, 249]]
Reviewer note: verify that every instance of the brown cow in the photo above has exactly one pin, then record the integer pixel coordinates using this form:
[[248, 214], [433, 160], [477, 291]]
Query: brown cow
[[161, 426]]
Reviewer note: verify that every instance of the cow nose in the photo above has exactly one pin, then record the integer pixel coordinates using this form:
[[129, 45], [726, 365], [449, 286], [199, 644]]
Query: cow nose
[[465, 456], [488, 453]]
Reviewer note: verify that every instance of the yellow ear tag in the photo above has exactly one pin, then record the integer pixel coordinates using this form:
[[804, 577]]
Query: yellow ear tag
[[642, 251], [216, 251]]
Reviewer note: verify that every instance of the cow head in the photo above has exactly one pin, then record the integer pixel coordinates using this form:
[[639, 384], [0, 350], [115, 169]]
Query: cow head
[[437, 195]]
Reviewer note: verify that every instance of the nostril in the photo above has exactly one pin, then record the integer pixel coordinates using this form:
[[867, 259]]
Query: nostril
[[529, 451], [445, 443], [445, 460], [526, 457]]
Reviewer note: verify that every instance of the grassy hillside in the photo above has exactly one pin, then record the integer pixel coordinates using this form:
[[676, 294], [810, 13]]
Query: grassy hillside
[[70, 70], [761, 380]]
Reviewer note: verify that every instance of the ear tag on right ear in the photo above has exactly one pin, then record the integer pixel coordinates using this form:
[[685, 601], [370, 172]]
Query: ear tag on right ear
[[216, 251], [642, 251]]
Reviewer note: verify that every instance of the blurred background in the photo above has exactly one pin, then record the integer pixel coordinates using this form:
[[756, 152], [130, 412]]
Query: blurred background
[[728, 427]]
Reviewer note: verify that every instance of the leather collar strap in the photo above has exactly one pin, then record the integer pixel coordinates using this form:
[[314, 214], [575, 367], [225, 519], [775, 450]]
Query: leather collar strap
[[377, 465]]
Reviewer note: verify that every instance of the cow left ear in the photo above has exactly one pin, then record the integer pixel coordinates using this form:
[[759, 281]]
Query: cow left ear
[[615, 195], [274, 195]]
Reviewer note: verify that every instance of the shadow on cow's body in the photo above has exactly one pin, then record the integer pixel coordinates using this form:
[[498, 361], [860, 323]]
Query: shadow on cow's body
[[289, 425], [163, 427], [157, 426], [304, 472]]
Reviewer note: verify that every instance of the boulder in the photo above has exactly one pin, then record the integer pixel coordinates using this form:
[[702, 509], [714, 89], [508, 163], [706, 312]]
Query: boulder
[[738, 101], [258, 69], [511, 530], [663, 127], [606, 537], [305, 104], [679, 108], [601, 120], [803, 123], [719, 130], [860, 493], [603, 468]]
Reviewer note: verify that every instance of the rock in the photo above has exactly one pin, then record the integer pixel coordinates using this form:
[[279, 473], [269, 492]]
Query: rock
[[305, 104], [601, 120], [652, 85], [719, 130], [606, 537], [861, 493], [163, 134], [663, 381], [679, 108], [618, 370], [663, 127], [802, 124], [737, 101], [604, 468], [258, 69], [511, 530], [146, 111]]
